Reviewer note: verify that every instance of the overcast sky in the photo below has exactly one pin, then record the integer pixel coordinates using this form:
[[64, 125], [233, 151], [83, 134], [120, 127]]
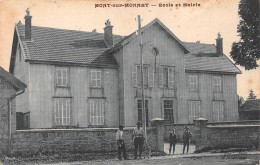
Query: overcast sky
[[187, 23]]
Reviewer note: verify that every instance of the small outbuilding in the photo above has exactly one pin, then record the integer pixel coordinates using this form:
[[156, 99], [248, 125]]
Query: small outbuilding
[[10, 87], [250, 110]]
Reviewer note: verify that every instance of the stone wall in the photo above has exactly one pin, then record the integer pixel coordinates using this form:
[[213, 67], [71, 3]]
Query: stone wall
[[179, 128], [47, 141], [226, 136]]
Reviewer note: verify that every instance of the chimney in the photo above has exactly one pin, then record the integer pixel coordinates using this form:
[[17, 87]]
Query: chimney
[[219, 43], [28, 25], [108, 34]]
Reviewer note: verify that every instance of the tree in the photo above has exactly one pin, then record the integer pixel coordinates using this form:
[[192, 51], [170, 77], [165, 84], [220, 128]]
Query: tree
[[251, 95], [246, 52], [241, 101]]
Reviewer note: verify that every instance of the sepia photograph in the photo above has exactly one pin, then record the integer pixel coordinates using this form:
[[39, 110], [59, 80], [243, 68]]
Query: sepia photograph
[[129, 82]]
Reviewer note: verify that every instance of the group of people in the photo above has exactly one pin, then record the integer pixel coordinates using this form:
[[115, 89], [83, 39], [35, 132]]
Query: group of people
[[187, 135], [138, 139]]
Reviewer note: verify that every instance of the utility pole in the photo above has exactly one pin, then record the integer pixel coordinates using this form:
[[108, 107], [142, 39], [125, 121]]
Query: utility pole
[[142, 78]]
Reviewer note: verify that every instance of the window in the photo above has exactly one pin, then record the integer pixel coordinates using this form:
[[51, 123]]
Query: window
[[168, 110], [139, 111], [166, 77], [147, 74], [96, 78], [193, 82], [62, 112], [97, 110], [218, 111], [194, 110], [61, 76], [217, 84]]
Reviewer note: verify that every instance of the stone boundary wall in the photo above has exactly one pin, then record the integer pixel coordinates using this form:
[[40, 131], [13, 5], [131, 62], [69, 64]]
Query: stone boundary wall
[[47, 141], [226, 136], [179, 128]]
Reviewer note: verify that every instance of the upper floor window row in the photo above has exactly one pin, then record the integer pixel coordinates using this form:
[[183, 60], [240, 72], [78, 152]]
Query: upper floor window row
[[166, 76], [194, 83]]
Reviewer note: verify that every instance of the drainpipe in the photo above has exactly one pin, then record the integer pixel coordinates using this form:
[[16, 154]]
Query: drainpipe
[[10, 118]]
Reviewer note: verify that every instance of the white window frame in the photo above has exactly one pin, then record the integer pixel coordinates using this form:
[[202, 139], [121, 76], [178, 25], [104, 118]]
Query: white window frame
[[97, 111], [194, 110], [170, 77], [171, 121], [217, 83], [96, 76], [62, 79], [193, 82], [62, 112], [218, 111]]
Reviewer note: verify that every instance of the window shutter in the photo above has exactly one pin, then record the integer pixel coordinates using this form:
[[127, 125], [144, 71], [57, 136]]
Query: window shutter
[[198, 109], [151, 76], [221, 107], [91, 78], [58, 77], [134, 76], [160, 76], [98, 78], [64, 76], [171, 77]]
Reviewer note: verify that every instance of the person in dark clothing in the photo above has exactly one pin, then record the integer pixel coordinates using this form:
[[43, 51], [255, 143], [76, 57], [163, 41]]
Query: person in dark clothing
[[138, 135], [121, 143], [187, 135], [172, 141]]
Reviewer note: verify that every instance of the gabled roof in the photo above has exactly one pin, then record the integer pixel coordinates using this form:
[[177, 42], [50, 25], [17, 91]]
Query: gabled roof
[[251, 105], [11, 79], [71, 47], [204, 58], [65, 46], [156, 20]]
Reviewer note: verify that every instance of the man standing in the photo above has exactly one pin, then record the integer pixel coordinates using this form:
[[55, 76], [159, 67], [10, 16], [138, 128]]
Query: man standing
[[138, 135], [172, 141], [121, 143], [187, 135]]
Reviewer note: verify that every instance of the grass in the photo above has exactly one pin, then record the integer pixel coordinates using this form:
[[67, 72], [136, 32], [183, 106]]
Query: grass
[[64, 157]]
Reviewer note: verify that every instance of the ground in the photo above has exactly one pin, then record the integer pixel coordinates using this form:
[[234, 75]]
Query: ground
[[234, 158], [216, 160]]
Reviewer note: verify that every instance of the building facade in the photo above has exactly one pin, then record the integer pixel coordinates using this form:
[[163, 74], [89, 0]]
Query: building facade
[[90, 79]]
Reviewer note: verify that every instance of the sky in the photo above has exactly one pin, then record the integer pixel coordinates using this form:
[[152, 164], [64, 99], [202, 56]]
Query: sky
[[202, 22]]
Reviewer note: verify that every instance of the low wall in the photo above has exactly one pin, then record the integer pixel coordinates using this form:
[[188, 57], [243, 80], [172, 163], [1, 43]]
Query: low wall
[[30, 142], [226, 136], [179, 128]]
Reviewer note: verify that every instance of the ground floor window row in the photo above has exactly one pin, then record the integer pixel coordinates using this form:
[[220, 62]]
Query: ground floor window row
[[96, 111]]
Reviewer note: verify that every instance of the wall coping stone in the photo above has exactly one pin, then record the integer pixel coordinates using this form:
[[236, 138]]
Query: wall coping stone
[[76, 130], [233, 126]]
